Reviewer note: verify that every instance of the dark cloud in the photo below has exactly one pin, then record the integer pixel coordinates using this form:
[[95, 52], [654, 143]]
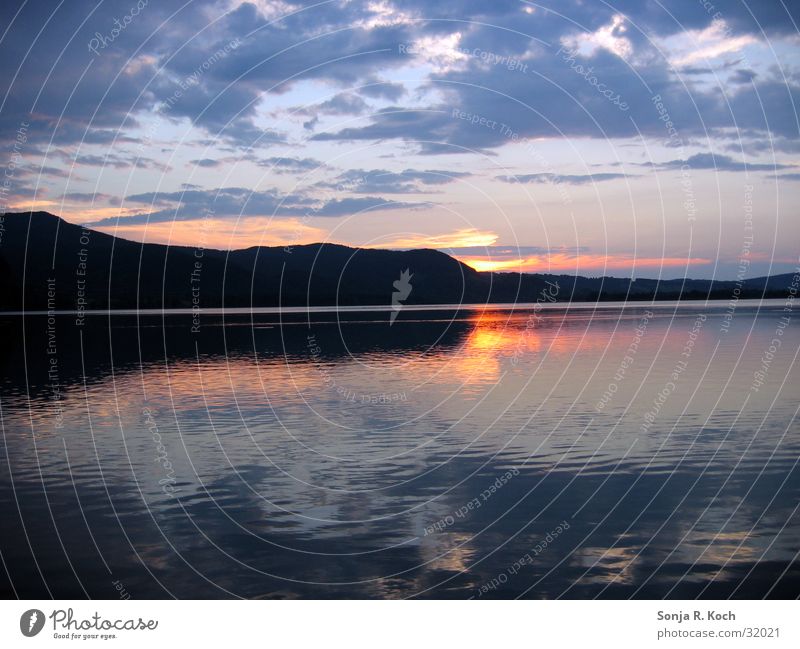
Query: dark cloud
[[234, 202], [20, 191], [743, 76], [226, 202], [44, 171], [303, 46], [244, 134], [291, 165], [434, 126], [206, 163], [344, 103], [115, 161], [383, 90], [720, 163], [695, 70], [352, 206], [769, 145], [360, 181], [90, 197], [69, 94], [773, 17], [558, 95], [553, 101]]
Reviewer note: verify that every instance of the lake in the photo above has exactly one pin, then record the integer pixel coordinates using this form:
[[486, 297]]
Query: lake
[[601, 451]]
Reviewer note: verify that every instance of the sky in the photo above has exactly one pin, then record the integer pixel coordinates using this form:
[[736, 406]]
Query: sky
[[652, 139]]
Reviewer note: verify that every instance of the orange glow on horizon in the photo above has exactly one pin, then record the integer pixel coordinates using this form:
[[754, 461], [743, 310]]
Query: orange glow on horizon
[[567, 263], [30, 206], [222, 234], [89, 214], [230, 234], [466, 237]]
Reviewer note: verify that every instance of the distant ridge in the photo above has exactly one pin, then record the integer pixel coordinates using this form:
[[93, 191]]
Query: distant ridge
[[68, 266]]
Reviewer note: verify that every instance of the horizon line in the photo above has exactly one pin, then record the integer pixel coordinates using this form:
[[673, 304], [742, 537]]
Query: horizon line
[[287, 248]]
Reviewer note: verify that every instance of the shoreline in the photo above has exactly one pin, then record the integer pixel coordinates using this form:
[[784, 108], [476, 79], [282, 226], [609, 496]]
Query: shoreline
[[385, 308]]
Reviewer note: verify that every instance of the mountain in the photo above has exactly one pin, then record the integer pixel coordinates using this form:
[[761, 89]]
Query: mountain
[[46, 262]]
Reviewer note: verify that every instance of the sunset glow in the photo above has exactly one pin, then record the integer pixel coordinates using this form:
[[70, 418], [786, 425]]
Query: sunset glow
[[467, 237], [220, 233], [421, 133], [586, 263]]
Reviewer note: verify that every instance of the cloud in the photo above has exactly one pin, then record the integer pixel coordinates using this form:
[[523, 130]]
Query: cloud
[[230, 234], [383, 90], [464, 237], [115, 161], [237, 202], [69, 94], [359, 181], [291, 165], [345, 103], [720, 163], [703, 45], [45, 171], [743, 76], [244, 134], [225, 201], [206, 163], [64, 91], [561, 95], [557, 102], [611, 37], [164, 68], [550, 178], [396, 122], [90, 197], [352, 206], [692, 70]]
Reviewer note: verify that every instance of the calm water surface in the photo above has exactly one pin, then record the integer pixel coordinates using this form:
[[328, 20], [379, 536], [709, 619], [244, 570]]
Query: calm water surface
[[585, 452]]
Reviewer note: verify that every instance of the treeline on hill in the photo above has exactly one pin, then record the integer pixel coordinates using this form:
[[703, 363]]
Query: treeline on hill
[[46, 262]]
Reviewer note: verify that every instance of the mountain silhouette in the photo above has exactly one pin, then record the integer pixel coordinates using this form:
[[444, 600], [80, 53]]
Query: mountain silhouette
[[49, 263]]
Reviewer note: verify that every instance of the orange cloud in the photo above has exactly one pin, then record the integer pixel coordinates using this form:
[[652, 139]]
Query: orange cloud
[[73, 212], [25, 206], [464, 238], [222, 234], [83, 214]]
